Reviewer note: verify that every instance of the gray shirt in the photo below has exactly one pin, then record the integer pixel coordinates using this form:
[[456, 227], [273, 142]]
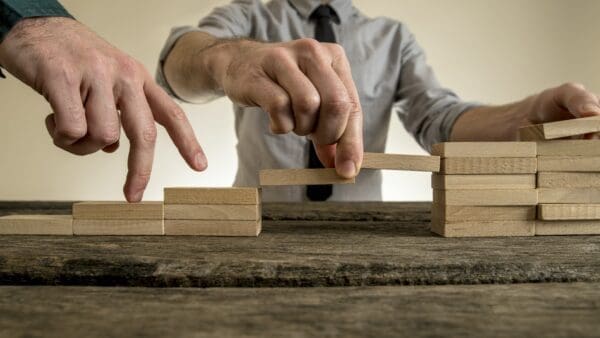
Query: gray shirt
[[388, 67]]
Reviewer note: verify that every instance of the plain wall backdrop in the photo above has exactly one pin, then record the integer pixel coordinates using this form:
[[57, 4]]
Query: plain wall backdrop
[[492, 51]]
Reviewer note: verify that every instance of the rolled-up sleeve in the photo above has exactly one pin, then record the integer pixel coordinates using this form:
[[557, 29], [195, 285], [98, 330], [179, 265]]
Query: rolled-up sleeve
[[230, 21], [427, 110]]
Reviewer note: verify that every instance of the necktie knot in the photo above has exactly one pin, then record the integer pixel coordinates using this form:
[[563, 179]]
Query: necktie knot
[[324, 12]]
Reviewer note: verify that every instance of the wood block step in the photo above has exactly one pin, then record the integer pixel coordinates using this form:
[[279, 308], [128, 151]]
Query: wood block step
[[558, 212], [486, 197], [569, 196], [484, 229], [569, 163], [569, 148], [212, 196], [488, 165], [275, 177], [212, 228], [242, 212], [564, 228], [36, 225], [115, 227], [452, 213], [485, 149], [568, 180], [118, 210], [461, 182], [560, 129], [401, 162]]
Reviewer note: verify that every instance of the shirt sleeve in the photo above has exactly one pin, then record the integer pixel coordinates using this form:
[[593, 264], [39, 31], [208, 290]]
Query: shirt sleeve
[[230, 21], [427, 110]]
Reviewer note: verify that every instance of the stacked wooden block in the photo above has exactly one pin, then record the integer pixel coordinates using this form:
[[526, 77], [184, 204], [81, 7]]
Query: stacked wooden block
[[212, 211], [569, 187], [118, 218], [485, 189]]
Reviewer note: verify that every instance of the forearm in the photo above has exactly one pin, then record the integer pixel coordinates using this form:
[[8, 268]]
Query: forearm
[[196, 65], [493, 123]]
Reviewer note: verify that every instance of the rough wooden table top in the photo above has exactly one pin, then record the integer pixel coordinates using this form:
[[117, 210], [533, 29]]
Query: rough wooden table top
[[330, 244], [536, 310]]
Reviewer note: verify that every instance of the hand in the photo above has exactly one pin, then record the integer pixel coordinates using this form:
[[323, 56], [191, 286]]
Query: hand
[[87, 82], [305, 87], [568, 101]]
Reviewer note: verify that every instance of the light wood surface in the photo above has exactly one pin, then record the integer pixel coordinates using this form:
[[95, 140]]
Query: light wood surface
[[555, 212], [569, 196], [114, 227], [230, 228], [118, 210], [568, 180], [484, 149], [248, 212], [36, 225], [401, 162], [486, 197], [569, 163], [560, 129], [569, 148], [454, 213], [211, 196], [514, 181], [489, 165], [484, 229], [564, 228], [276, 177]]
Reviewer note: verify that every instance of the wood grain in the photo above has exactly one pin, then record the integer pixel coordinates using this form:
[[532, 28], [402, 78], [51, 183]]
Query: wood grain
[[115, 227], [211, 196], [554, 212], [451, 213], [568, 180], [485, 182], [485, 149], [276, 177], [569, 196], [489, 165], [561, 129], [401, 162], [229, 228], [36, 225], [569, 163], [242, 212], [483, 228], [486, 197], [569, 148], [564, 228], [118, 210]]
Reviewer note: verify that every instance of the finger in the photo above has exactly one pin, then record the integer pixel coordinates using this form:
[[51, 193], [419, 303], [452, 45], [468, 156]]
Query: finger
[[335, 100], [111, 148], [169, 114], [69, 124], [304, 96], [577, 100], [349, 152], [276, 102], [140, 128]]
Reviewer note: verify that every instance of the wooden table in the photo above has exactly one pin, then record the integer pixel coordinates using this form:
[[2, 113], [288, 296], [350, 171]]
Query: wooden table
[[368, 269]]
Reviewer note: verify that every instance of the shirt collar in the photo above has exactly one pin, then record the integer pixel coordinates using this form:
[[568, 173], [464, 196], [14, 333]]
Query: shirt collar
[[343, 8]]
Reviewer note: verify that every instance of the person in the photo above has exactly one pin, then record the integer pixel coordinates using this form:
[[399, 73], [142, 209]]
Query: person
[[327, 71], [93, 89]]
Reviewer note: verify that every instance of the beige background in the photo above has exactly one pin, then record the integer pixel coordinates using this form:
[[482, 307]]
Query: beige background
[[493, 51]]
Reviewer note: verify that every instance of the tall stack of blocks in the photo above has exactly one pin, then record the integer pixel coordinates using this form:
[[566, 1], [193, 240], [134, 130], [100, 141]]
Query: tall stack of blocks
[[485, 189]]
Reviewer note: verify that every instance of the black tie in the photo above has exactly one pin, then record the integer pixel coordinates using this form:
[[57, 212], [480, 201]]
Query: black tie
[[323, 33]]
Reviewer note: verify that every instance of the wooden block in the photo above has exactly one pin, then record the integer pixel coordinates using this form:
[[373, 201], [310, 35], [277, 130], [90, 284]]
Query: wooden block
[[485, 149], [569, 148], [401, 162], [489, 165], [568, 180], [486, 197], [475, 182], [212, 228], [211, 196], [36, 225], [569, 163], [242, 212], [560, 129], [451, 213], [118, 210], [484, 229], [564, 228], [126, 227], [560, 212], [301, 177], [569, 195]]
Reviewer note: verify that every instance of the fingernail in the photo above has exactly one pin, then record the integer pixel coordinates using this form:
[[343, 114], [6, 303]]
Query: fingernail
[[591, 108], [200, 162], [347, 169]]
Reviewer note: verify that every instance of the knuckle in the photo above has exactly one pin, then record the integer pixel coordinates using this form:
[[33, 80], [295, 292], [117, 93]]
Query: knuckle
[[279, 104], [310, 46], [307, 105], [130, 71], [337, 108], [70, 133], [106, 136], [277, 53], [573, 86], [149, 134], [279, 128]]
